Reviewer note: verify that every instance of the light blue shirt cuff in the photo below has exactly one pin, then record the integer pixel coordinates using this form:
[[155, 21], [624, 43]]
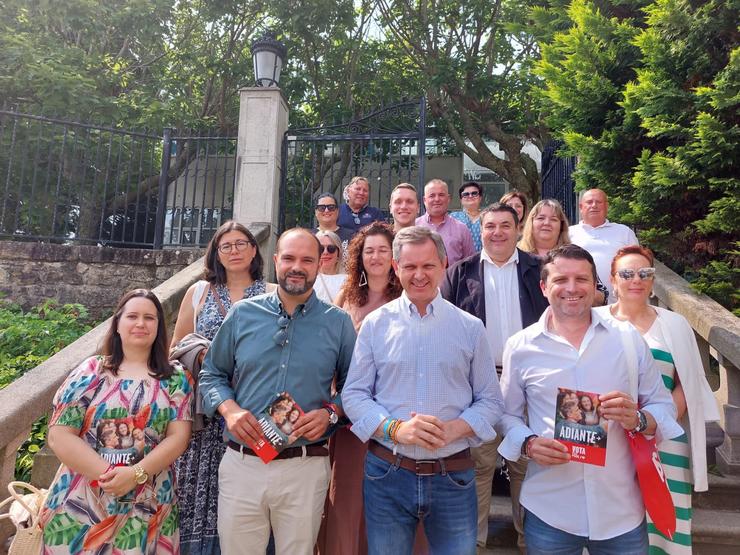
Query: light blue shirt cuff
[[365, 428], [511, 446], [483, 431], [667, 427], [213, 399]]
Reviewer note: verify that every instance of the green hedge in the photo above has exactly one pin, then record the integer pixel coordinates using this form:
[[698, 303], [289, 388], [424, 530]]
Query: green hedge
[[28, 338]]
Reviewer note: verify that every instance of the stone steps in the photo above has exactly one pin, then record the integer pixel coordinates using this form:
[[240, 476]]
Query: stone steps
[[715, 531]]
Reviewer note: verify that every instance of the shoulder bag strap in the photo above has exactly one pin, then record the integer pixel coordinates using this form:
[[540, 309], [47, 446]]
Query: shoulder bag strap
[[221, 307]]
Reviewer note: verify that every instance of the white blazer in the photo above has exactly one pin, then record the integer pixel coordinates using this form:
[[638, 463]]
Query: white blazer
[[701, 405]]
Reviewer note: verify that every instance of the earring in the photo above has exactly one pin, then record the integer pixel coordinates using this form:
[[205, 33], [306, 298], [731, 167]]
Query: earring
[[652, 293], [363, 279]]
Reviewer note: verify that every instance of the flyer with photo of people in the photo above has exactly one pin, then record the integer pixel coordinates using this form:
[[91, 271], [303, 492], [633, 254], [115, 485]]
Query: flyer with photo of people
[[277, 422], [120, 442], [580, 426]]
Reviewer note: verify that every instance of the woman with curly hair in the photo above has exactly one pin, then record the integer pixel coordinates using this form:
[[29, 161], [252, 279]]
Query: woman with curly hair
[[371, 281]]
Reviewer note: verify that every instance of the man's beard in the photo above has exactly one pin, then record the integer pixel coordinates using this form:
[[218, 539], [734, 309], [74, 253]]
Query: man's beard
[[296, 288]]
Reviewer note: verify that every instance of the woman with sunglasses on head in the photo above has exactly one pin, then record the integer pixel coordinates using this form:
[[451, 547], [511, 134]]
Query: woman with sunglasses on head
[[471, 196], [674, 347], [330, 278], [233, 271], [107, 497], [371, 282], [327, 213]]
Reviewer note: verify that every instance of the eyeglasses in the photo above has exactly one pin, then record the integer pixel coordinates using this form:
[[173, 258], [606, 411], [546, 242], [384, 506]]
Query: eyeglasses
[[239, 245], [643, 273], [471, 194], [326, 207], [331, 249], [281, 337]]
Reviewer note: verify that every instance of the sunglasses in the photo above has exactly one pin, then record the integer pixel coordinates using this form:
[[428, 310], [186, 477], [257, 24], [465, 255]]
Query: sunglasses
[[471, 194], [331, 249], [643, 273], [326, 207], [281, 337]]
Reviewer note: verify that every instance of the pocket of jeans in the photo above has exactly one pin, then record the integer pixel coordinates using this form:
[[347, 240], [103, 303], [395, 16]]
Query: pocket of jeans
[[376, 468], [463, 479]]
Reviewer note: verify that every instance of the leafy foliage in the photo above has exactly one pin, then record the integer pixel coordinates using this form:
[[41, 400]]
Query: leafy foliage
[[646, 95], [26, 340]]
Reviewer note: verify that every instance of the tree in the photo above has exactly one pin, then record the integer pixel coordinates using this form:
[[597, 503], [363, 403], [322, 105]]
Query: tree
[[474, 59], [646, 95]]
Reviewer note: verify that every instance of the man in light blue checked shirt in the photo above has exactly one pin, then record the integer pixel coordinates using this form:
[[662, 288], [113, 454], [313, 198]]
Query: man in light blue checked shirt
[[422, 387]]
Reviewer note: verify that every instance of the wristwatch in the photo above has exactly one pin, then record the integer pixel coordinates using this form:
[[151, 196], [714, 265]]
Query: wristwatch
[[642, 423], [333, 416], [140, 474]]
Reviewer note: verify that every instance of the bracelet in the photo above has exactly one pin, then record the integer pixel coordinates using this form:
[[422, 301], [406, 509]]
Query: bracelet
[[394, 431], [527, 446], [386, 425]]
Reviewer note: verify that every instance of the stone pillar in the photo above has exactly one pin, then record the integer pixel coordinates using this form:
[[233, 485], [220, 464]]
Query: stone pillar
[[263, 120]]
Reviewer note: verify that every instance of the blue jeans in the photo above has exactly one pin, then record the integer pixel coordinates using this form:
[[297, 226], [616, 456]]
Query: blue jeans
[[397, 499], [543, 539]]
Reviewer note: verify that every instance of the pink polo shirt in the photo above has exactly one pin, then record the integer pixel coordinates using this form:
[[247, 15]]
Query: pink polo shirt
[[455, 234]]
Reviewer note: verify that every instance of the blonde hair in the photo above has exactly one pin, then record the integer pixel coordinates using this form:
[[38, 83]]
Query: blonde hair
[[334, 238], [527, 243]]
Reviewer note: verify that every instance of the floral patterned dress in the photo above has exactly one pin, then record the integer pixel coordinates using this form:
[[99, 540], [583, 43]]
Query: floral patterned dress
[[132, 416], [197, 468]]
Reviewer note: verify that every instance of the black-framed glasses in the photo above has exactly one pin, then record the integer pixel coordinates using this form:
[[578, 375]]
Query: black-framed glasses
[[326, 207], [643, 273], [471, 194], [281, 336], [331, 249], [240, 246]]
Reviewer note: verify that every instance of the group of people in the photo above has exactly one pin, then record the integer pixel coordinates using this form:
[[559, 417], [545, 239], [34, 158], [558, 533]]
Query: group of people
[[418, 352]]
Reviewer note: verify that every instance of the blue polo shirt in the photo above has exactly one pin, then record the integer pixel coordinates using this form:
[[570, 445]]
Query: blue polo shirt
[[248, 364], [357, 220]]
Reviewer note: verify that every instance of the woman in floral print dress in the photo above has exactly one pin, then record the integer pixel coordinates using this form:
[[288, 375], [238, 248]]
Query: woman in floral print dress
[[109, 495]]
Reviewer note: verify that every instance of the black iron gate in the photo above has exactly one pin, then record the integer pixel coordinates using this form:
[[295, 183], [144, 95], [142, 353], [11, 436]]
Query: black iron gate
[[387, 147], [557, 179]]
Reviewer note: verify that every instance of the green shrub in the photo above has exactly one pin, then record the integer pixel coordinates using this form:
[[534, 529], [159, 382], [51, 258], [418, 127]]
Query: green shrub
[[26, 340]]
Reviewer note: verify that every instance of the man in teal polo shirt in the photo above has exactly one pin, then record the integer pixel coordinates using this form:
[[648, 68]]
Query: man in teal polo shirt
[[286, 341]]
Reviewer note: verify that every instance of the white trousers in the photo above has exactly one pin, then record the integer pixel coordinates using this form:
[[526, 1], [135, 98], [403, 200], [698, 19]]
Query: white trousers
[[287, 495]]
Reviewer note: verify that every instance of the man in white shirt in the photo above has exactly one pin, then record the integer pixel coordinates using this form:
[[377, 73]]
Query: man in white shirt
[[501, 286], [572, 347], [599, 236]]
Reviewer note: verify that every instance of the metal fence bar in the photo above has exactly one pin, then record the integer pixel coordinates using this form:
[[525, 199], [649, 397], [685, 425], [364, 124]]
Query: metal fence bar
[[162, 190]]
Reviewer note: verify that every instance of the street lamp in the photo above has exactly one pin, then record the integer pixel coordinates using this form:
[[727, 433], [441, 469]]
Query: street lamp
[[268, 55]]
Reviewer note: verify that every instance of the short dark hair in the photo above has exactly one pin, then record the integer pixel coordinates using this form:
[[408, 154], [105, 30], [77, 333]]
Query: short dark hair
[[215, 272], [572, 252], [328, 195], [301, 230], [499, 207], [469, 184], [159, 364]]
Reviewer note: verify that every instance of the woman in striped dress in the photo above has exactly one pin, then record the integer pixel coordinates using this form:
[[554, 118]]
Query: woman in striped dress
[[673, 345]]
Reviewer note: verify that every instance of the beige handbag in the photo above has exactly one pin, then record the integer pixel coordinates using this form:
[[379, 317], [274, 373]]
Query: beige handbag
[[24, 512]]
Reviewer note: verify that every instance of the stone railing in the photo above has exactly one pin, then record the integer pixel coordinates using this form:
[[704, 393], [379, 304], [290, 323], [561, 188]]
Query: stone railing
[[717, 332], [28, 398]]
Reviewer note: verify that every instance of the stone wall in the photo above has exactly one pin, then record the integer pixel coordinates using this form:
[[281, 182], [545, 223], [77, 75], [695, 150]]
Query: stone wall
[[93, 276]]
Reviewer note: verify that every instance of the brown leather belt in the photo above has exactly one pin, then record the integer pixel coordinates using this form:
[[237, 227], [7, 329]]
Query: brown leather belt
[[427, 467], [313, 450]]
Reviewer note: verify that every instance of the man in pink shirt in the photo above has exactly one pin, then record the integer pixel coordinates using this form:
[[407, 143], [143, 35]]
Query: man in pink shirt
[[455, 234]]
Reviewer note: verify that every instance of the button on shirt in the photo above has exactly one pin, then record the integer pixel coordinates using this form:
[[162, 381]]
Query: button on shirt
[[581, 499], [438, 364], [245, 352], [456, 236], [603, 242], [357, 220], [503, 311]]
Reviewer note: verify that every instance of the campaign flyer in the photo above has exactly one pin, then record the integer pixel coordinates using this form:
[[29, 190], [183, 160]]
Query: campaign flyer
[[277, 422], [580, 426], [120, 442]]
